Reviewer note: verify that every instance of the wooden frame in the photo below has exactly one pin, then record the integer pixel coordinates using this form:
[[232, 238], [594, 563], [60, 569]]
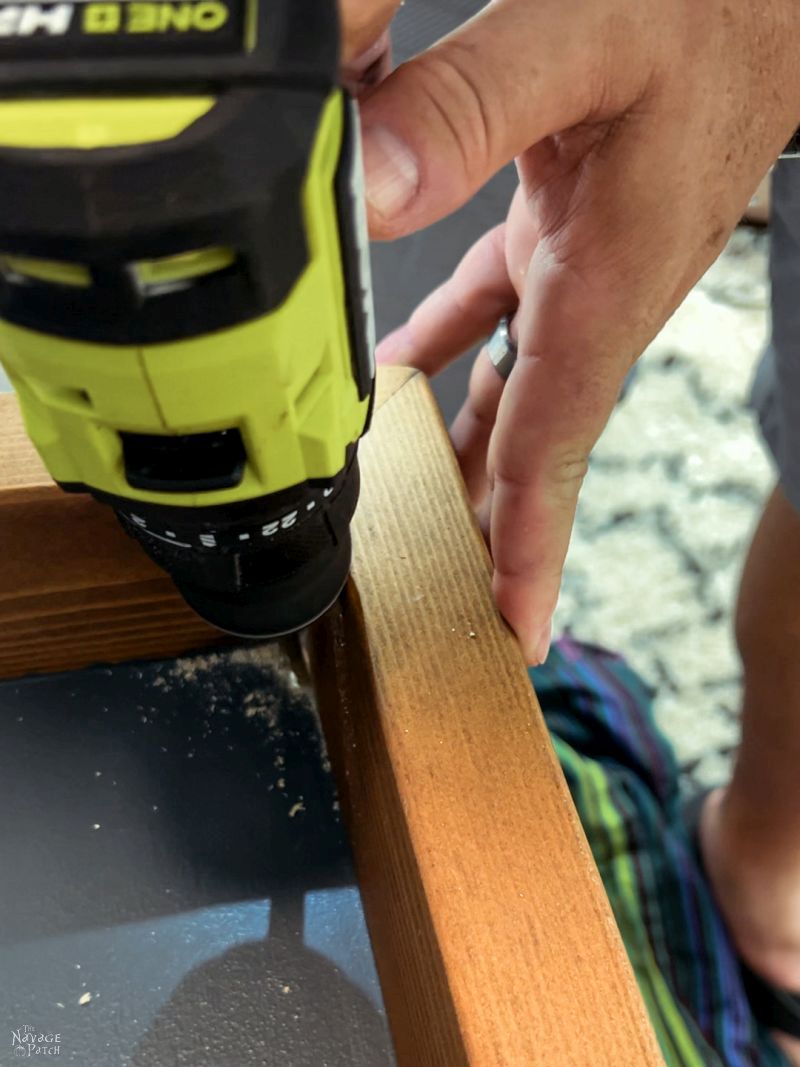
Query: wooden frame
[[492, 934]]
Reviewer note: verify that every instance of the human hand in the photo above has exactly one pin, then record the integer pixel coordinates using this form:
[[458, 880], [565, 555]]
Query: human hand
[[641, 128], [366, 53]]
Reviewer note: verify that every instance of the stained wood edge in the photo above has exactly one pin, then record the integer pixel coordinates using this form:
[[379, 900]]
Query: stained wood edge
[[414, 979], [452, 1000], [389, 381]]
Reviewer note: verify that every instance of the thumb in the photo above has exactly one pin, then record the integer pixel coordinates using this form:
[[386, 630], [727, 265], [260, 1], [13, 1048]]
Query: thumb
[[441, 125]]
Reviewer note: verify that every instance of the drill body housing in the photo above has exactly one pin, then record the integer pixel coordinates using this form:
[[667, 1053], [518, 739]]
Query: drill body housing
[[184, 286]]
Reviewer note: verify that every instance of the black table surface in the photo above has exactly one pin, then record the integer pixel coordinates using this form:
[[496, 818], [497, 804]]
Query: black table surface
[[176, 884]]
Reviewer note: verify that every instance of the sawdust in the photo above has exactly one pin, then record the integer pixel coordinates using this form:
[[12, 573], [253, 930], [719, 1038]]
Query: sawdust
[[198, 668], [264, 704], [262, 684]]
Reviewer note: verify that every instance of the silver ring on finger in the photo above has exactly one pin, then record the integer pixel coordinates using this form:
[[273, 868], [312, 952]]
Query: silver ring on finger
[[502, 348]]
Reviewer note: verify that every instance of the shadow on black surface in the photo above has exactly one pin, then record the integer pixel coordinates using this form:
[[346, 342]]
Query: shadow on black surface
[[266, 1003], [158, 792], [146, 791]]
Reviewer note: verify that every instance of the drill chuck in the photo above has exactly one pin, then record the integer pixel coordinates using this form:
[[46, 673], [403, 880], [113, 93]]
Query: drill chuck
[[261, 568]]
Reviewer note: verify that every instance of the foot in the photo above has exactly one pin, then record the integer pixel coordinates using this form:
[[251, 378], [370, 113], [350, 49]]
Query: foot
[[760, 904], [789, 1045]]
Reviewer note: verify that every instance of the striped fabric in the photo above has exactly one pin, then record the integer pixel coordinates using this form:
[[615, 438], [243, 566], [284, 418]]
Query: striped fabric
[[624, 781]]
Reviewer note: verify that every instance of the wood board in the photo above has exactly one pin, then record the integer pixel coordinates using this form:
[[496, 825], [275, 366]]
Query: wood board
[[494, 941]]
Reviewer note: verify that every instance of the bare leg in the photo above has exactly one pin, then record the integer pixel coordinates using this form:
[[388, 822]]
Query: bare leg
[[751, 830]]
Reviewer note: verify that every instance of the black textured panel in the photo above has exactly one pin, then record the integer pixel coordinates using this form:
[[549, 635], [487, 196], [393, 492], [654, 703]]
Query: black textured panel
[[406, 271], [184, 463], [421, 22], [176, 887]]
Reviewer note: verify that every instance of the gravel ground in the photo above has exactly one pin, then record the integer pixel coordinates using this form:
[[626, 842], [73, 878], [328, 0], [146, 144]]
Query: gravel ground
[[674, 490]]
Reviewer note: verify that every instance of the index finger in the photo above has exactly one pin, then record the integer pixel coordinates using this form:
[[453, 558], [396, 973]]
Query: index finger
[[363, 22]]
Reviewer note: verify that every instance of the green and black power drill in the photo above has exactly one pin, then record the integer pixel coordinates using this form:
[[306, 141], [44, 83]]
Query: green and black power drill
[[185, 308]]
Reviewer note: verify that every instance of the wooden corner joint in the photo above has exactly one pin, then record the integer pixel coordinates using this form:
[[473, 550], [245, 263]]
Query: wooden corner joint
[[493, 938]]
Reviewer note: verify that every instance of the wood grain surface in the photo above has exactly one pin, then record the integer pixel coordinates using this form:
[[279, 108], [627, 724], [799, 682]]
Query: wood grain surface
[[494, 941]]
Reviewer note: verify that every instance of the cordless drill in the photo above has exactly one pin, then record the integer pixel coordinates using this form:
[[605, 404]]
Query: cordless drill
[[185, 308]]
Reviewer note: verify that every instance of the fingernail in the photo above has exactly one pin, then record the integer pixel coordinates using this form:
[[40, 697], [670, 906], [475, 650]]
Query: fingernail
[[391, 170], [395, 347], [542, 646]]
